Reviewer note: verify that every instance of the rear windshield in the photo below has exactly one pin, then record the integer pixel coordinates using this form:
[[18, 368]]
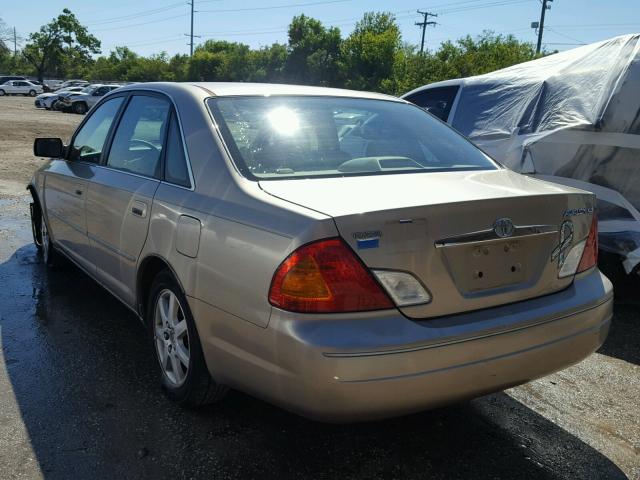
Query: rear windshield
[[278, 137]]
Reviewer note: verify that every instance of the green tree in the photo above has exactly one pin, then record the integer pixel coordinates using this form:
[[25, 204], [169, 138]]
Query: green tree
[[268, 64], [6, 38], [62, 46], [179, 67], [313, 53], [462, 58], [217, 60], [370, 51], [486, 53]]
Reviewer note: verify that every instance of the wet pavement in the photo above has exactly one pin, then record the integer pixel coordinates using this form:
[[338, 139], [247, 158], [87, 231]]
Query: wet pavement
[[79, 398]]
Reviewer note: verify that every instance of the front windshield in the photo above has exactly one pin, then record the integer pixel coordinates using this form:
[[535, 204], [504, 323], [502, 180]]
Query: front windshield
[[88, 89], [279, 137]]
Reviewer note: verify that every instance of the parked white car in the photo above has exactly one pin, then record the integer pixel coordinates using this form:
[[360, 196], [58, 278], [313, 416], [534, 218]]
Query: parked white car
[[81, 103], [46, 100], [20, 87]]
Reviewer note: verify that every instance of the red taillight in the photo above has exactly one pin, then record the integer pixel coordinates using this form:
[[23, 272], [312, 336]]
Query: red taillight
[[326, 277], [590, 254]]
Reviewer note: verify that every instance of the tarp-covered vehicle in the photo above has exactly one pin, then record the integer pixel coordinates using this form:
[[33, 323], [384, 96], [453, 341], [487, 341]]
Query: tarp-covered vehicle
[[571, 117]]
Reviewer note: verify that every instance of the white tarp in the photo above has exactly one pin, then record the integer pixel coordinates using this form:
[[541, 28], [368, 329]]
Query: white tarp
[[571, 115]]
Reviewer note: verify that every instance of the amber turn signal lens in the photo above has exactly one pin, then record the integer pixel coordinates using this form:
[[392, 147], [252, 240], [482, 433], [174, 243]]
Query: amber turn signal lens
[[590, 255], [304, 280]]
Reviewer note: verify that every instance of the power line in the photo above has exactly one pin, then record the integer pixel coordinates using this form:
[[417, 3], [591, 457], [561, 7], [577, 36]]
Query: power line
[[132, 16], [424, 24], [141, 23], [273, 7], [498, 3], [568, 37], [564, 43]]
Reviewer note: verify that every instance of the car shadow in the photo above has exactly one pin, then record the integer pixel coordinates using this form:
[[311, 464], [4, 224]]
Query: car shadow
[[84, 380], [623, 341], [624, 336]]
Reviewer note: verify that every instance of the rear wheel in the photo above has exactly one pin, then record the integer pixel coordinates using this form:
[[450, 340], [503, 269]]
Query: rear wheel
[[184, 374], [80, 108], [2, 93]]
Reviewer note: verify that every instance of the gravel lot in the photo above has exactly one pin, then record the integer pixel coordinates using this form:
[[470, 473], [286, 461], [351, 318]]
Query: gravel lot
[[79, 397]]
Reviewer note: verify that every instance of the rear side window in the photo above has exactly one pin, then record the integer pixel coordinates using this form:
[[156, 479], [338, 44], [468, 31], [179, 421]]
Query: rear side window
[[176, 163], [437, 101], [137, 143], [89, 142]]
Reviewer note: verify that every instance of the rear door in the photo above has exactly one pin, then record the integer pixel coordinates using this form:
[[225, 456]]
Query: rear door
[[122, 190], [97, 94], [13, 87]]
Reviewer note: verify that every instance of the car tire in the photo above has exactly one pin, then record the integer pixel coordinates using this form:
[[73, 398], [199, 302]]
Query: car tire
[[80, 108], [36, 224], [32, 93], [184, 375], [47, 250], [2, 93]]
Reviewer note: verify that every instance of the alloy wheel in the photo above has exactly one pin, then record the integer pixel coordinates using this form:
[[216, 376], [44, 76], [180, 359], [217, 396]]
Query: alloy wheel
[[171, 337], [46, 241]]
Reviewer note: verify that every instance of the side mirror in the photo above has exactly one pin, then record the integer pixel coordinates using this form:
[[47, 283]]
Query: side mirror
[[48, 147]]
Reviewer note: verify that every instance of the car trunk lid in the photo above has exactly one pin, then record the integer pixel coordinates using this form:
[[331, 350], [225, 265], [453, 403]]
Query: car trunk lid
[[445, 229]]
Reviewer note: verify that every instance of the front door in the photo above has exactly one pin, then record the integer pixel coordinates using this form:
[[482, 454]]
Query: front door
[[66, 183], [122, 191]]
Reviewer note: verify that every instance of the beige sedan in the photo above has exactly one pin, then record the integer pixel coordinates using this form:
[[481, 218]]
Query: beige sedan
[[342, 254]]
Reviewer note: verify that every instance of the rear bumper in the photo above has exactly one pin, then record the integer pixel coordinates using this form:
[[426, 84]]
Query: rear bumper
[[369, 366]]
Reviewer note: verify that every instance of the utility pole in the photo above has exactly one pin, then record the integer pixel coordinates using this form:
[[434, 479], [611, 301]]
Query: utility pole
[[424, 24], [545, 7], [191, 42], [15, 43], [191, 35]]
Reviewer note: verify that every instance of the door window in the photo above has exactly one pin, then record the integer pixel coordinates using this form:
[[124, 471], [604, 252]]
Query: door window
[[89, 141], [176, 163], [437, 101], [137, 143]]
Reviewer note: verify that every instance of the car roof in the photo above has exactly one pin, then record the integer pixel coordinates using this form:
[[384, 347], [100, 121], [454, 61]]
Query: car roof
[[226, 89], [444, 83]]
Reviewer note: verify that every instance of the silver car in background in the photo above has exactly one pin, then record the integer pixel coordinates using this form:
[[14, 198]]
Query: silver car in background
[[20, 87], [47, 100], [81, 102], [341, 254]]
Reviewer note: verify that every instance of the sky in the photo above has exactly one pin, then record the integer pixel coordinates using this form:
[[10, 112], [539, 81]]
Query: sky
[[151, 26]]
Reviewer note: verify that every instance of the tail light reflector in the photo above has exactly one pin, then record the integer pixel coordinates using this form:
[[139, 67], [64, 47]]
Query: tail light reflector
[[326, 277]]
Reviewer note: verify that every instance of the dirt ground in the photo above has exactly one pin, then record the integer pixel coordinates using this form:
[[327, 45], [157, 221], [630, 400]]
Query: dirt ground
[[78, 397], [20, 123]]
